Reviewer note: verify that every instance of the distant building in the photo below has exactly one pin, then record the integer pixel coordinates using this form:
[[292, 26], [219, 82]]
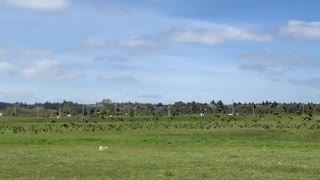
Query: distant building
[[1, 114]]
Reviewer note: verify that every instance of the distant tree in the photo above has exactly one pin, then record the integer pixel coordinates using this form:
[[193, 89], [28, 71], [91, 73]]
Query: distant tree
[[107, 106], [159, 105], [66, 107], [274, 104], [220, 103], [267, 103], [220, 106], [107, 101]]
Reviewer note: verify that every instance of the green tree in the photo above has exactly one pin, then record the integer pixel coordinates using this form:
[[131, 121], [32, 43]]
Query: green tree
[[220, 106], [107, 106], [66, 107]]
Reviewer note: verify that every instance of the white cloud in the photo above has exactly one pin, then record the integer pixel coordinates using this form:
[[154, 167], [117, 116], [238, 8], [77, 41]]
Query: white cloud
[[3, 52], [94, 42], [274, 58], [37, 53], [17, 96], [278, 65], [301, 30], [40, 5], [162, 1], [150, 96], [6, 68], [126, 79], [114, 10], [49, 69], [138, 45], [41, 64], [311, 82], [135, 43], [216, 35], [44, 68], [117, 59]]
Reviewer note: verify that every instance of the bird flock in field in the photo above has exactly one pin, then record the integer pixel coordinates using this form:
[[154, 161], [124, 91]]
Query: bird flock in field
[[276, 121]]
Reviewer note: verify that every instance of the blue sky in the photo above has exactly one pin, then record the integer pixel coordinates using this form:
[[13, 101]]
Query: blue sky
[[159, 50]]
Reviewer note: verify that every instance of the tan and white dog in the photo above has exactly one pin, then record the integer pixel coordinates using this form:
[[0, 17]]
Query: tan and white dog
[[103, 148]]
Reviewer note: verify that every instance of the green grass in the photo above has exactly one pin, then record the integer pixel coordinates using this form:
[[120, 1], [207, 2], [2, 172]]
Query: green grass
[[158, 152]]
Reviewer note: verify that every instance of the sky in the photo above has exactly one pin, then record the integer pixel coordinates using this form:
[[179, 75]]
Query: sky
[[159, 50]]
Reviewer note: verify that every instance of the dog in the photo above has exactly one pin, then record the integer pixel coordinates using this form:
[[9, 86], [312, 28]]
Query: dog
[[103, 148]]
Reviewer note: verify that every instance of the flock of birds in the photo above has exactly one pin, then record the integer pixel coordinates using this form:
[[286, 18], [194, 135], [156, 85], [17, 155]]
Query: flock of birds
[[264, 121], [102, 122]]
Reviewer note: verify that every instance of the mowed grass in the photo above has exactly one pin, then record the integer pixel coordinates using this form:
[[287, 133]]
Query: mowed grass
[[229, 153]]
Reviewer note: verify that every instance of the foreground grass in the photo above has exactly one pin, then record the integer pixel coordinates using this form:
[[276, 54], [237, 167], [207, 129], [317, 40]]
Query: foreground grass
[[162, 154]]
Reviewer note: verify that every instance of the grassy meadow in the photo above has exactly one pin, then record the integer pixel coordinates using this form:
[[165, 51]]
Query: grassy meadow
[[189, 147]]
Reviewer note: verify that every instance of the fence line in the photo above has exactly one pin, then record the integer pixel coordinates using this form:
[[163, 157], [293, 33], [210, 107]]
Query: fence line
[[62, 110]]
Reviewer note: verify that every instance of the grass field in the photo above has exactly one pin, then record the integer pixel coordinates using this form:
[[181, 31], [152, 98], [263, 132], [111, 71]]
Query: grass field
[[177, 148]]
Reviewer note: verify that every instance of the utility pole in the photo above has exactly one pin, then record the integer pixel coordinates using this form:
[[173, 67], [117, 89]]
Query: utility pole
[[232, 107], [82, 110], [15, 110], [37, 110], [59, 112], [303, 109], [128, 109], [169, 111], [253, 111]]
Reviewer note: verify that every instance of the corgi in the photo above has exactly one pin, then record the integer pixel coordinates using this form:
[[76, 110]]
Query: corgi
[[103, 148]]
